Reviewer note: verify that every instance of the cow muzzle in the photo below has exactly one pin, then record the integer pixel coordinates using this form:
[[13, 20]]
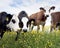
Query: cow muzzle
[[24, 30]]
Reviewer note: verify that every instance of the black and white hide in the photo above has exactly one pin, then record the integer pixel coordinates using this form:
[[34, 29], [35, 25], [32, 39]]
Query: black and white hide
[[4, 21]]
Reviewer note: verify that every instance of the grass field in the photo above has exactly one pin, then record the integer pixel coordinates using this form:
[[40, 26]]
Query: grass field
[[31, 40]]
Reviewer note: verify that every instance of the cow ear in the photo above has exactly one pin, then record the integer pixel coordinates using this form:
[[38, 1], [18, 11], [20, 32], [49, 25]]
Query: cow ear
[[41, 8], [52, 8]]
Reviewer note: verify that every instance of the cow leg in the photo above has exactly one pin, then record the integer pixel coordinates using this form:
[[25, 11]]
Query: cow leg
[[42, 27], [52, 28], [1, 34], [16, 36], [38, 28], [31, 26], [18, 33]]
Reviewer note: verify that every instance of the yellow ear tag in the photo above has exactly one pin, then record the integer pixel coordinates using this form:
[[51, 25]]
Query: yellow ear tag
[[7, 19]]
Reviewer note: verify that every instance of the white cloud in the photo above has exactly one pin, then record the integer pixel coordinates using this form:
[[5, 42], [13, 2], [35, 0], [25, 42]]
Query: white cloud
[[5, 3]]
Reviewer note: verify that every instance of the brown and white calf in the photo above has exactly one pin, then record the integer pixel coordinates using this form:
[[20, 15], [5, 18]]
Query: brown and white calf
[[55, 17], [38, 18]]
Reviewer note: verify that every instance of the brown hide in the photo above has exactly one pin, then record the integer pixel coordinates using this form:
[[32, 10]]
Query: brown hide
[[55, 17], [38, 17]]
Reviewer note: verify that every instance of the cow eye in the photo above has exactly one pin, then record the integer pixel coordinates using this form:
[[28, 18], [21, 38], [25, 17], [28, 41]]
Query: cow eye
[[13, 21], [21, 24]]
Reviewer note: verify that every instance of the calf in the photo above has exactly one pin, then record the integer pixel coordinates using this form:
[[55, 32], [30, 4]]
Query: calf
[[38, 18], [55, 18], [14, 25], [4, 20], [9, 22]]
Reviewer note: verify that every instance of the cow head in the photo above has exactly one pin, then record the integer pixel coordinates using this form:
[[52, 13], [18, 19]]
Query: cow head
[[23, 24], [5, 18], [14, 23], [23, 19], [48, 10], [22, 14]]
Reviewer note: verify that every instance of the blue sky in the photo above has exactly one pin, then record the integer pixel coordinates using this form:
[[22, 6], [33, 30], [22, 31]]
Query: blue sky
[[18, 5], [30, 6]]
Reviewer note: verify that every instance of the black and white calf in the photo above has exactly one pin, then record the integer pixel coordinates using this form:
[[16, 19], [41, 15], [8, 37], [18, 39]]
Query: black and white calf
[[4, 20], [8, 22], [14, 23]]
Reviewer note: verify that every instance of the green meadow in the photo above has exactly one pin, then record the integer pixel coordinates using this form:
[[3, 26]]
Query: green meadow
[[34, 39]]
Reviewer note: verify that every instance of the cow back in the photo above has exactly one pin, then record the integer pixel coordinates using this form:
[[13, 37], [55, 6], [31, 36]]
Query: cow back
[[55, 17], [38, 15]]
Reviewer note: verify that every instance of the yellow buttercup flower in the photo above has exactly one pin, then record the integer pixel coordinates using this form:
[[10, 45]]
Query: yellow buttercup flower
[[33, 32]]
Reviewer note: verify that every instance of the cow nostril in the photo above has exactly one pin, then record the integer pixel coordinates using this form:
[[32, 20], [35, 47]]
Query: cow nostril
[[47, 15], [24, 30]]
